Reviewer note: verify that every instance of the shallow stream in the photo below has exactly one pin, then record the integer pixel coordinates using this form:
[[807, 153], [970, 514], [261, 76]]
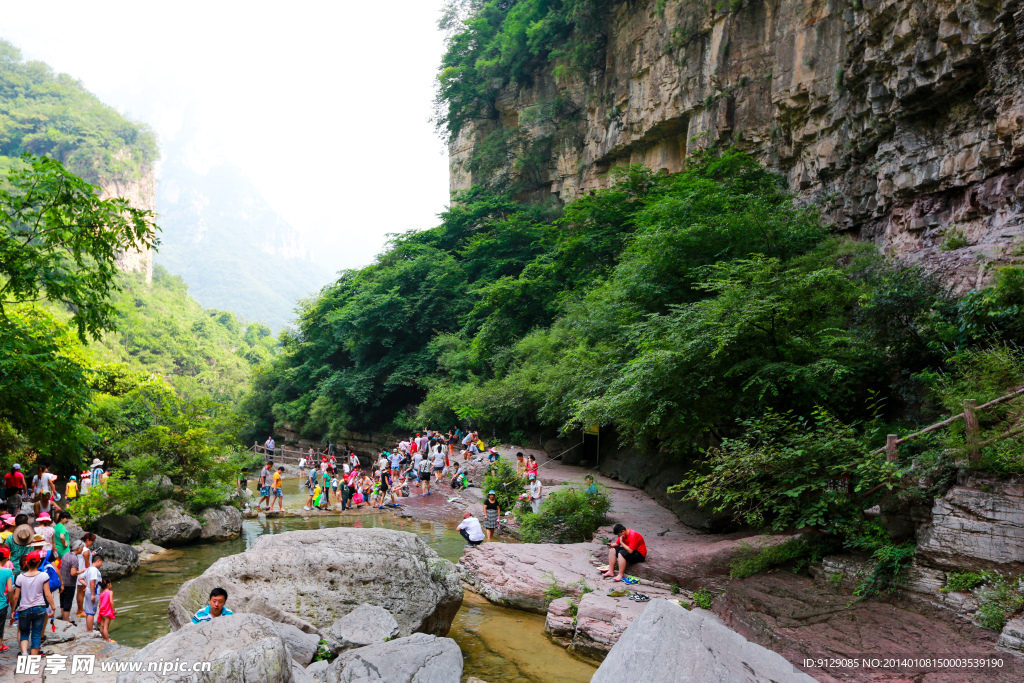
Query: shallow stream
[[498, 644]]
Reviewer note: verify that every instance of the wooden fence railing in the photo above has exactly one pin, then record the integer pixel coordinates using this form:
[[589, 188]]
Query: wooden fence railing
[[970, 417], [283, 454]]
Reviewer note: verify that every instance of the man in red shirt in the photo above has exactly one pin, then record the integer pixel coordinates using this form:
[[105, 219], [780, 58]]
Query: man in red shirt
[[627, 548], [14, 483]]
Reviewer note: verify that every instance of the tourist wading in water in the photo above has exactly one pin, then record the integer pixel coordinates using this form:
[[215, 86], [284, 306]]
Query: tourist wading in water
[[627, 548]]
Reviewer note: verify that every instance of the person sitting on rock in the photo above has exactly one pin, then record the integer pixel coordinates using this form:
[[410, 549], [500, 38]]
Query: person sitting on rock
[[470, 529], [627, 548], [215, 608]]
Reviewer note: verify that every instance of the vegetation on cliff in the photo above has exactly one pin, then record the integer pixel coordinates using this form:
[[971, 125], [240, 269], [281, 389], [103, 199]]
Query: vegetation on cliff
[[496, 42], [49, 114]]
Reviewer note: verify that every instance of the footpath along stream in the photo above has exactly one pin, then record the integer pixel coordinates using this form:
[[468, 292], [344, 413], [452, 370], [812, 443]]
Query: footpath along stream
[[499, 644]]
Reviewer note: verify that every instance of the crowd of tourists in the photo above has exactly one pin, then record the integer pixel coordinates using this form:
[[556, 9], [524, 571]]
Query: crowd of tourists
[[41, 565]]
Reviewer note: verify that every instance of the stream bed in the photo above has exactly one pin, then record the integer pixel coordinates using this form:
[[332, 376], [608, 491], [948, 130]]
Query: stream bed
[[498, 644]]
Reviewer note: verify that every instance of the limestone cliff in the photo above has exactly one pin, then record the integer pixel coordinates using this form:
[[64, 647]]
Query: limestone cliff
[[903, 121], [140, 191]]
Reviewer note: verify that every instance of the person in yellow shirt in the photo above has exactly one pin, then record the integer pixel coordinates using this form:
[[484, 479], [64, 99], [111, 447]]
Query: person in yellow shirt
[[71, 490], [278, 493]]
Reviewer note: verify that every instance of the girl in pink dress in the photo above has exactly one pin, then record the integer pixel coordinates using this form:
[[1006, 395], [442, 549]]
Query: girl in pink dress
[[106, 611]]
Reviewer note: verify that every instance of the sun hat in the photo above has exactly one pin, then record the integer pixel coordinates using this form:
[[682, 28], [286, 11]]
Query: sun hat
[[73, 477], [23, 534], [38, 540], [43, 517], [5, 552], [96, 462], [7, 518], [17, 466], [490, 492], [34, 557]]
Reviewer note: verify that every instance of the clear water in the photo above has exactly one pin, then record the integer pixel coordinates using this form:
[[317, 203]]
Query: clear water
[[498, 644]]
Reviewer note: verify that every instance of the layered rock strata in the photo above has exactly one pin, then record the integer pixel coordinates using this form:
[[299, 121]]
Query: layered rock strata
[[903, 121]]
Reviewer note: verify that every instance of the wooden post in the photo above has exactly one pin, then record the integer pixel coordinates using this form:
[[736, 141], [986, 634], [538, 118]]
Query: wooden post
[[973, 430], [891, 454]]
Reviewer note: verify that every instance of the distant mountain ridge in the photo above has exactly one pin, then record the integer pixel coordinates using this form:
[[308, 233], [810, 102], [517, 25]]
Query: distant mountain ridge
[[234, 251]]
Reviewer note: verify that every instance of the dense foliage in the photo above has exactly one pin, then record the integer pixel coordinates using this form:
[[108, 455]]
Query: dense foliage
[[48, 114], [96, 363], [58, 243], [703, 314], [496, 42]]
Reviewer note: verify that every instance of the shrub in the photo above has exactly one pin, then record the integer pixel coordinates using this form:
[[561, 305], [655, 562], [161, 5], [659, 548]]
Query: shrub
[[800, 551], [965, 581], [568, 515], [502, 479], [703, 598]]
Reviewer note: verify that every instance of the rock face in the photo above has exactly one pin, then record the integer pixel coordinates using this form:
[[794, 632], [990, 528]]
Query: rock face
[[800, 618], [121, 528], [365, 625], [973, 528], [119, 559], [240, 647], [220, 523], [320, 576], [169, 525], [418, 658], [1012, 637], [667, 642], [899, 119], [141, 194]]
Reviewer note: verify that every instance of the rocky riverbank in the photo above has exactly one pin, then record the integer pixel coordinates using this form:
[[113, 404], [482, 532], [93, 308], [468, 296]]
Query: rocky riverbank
[[975, 526]]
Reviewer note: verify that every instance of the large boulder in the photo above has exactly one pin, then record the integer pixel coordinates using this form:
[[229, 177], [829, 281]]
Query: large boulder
[[169, 525], [667, 642], [195, 593], [220, 523], [240, 647], [121, 528], [418, 658], [119, 559], [977, 525], [319, 576], [365, 625]]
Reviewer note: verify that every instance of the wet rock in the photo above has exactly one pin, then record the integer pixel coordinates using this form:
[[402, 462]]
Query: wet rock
[[978, 525], [420, 657], [121, 528], [169, 525], [365, 625], [320, 576], [667, 642], [240, 647], [148, 551], [220, 523]]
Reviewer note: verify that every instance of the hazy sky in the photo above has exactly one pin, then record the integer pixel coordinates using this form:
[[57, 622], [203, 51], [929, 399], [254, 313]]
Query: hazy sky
[[325, 105]]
